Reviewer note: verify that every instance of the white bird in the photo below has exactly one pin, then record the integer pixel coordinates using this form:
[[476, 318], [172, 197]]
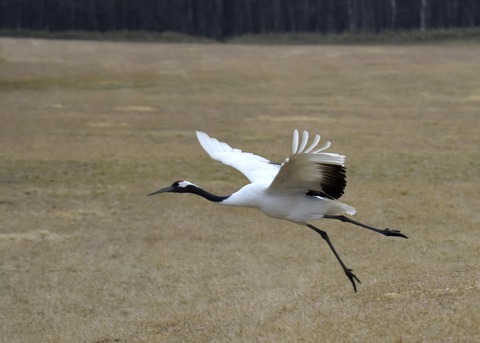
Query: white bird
[[305, 187]]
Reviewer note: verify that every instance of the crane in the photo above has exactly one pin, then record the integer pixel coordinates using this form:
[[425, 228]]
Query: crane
[[304, 188]]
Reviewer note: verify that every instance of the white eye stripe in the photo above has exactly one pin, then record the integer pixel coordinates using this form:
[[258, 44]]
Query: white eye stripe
[[184, 184]]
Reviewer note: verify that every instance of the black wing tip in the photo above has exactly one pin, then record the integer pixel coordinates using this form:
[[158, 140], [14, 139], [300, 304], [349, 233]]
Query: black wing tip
[[333, 182]]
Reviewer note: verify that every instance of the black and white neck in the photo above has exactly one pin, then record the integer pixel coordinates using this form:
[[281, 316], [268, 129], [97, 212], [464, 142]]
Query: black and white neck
[[183, 186], [191, 188]]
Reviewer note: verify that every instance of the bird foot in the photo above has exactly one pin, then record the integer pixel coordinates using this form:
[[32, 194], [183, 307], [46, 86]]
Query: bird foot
[[395, 233], [352, 277]]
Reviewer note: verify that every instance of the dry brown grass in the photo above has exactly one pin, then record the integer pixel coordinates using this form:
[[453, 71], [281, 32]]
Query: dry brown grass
[[88, 129]]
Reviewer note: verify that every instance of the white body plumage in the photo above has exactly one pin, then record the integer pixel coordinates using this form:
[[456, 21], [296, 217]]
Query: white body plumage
[[298, 208]]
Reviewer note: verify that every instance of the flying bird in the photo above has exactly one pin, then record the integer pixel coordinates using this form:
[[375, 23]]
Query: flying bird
[[304, 188]]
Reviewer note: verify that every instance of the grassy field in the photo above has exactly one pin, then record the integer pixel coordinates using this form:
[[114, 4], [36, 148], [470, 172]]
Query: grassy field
[[87, 129]]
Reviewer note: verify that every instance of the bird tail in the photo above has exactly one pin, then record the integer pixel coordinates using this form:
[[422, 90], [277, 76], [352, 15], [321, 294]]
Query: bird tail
[[336, 207], [349, 209]]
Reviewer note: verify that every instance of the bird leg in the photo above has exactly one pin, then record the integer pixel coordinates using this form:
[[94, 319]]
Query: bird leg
[[386, 232], [347, 271]]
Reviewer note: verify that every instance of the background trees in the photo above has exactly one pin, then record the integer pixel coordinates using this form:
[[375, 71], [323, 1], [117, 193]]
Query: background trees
[[225, 18]]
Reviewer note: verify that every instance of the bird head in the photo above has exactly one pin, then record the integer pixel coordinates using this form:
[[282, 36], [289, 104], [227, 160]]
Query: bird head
[[180, 186]]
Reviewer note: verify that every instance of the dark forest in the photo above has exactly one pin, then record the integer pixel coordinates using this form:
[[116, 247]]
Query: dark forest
[[220, 19]]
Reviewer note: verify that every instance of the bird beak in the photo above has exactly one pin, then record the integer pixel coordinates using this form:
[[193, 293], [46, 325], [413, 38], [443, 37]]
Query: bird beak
[[163, 190]]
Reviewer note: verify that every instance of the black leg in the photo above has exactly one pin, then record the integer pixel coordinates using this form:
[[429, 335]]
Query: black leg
[[386, 232], [347, 271]]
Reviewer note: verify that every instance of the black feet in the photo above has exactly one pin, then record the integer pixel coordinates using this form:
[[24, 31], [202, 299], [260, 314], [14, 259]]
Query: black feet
[[352, 277], [394, 233]]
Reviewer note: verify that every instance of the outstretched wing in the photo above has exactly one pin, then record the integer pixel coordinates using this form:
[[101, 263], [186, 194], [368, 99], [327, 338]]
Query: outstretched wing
[[254, 167], [310, 170]]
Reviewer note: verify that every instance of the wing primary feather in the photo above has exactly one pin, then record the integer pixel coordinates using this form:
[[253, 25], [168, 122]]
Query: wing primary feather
[[294, 142], [204, 141], [316, 140], [303, 143], [323, 147]]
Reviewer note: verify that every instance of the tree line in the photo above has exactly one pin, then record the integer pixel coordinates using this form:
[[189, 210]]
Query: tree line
[[220, 19]]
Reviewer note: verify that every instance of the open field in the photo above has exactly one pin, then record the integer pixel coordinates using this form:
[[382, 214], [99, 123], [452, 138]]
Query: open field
[[87, 129]]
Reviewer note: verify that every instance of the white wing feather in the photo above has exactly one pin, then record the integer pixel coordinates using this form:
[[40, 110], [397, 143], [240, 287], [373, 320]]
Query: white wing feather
[[255, 168], [307, 170]]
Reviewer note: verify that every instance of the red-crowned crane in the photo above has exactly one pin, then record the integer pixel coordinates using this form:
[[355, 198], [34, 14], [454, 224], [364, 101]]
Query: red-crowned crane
[[305, 187]]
